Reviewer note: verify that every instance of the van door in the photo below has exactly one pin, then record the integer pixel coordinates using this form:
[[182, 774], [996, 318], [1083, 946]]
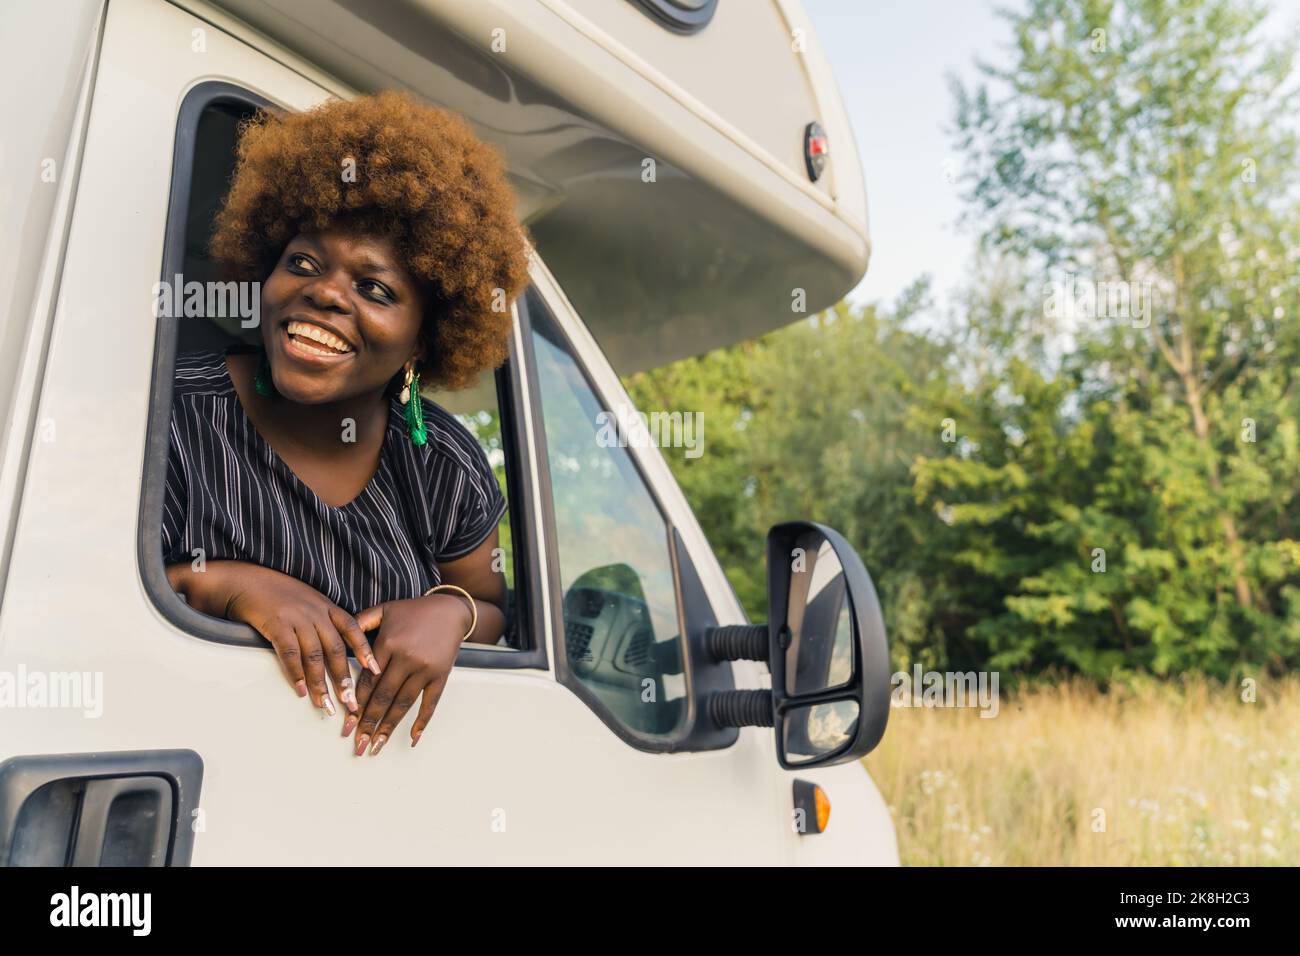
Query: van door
[[516, 766], [634, 589], [617, 519]]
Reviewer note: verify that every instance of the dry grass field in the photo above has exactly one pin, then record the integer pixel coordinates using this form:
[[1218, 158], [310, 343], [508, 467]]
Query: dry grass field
[[1161, 774]]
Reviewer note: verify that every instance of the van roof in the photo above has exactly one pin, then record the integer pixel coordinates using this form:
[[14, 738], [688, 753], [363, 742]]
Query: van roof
[[661, 173]]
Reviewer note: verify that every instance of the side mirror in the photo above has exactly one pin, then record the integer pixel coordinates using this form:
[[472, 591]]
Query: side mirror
[[825, 645]]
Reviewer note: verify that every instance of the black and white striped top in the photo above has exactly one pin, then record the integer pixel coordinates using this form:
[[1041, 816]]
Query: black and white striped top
[[231, 495]]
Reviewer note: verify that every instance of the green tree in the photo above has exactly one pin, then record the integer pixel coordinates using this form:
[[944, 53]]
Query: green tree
[[808, 422], [1146, 149], [1095, 468]]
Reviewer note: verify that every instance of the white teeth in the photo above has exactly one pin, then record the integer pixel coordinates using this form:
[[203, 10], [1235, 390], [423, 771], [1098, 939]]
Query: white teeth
[[307, 348], [317, 334]]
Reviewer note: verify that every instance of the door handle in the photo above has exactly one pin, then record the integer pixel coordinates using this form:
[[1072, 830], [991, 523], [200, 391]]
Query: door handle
[[123, 821], [115, 809]]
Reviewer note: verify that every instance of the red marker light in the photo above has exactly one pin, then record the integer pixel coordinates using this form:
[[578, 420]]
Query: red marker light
[[816, 147]]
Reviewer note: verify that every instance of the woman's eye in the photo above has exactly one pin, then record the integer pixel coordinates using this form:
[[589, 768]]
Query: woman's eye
[[299, 262], [375, 290]]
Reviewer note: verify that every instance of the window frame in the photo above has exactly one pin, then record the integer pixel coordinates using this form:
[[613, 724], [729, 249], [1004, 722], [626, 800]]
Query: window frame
[[510, 389], [701, 675]]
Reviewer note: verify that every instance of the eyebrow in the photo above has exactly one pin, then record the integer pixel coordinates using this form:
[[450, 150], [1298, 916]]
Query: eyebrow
[[374, 265]]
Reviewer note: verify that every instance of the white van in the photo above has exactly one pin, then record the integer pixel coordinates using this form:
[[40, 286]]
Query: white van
[[671, 161]]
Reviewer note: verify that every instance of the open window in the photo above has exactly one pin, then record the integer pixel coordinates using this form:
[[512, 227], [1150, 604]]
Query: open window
[[206, 135]]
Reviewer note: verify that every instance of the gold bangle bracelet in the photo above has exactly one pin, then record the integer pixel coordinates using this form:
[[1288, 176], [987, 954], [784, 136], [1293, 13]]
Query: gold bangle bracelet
[[467, 596]]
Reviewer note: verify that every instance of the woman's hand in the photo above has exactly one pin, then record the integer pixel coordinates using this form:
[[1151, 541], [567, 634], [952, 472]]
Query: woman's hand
[[309, 632], [417, 644]]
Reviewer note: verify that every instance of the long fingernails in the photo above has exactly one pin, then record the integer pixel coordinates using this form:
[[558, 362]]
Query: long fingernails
[[349, 724], [347, 694], [327, 705], [415, 737], [301, 688], [379, 744], [373, 664], [362, 743]]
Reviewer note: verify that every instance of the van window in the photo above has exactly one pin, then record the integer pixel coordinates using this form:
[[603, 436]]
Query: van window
[[479, 409], [205, 152], [621, 618]]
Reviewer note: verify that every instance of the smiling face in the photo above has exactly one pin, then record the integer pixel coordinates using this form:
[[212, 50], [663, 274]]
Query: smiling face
[[341, 316]]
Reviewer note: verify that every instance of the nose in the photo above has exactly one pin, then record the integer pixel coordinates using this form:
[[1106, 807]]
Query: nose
[[327, 292]]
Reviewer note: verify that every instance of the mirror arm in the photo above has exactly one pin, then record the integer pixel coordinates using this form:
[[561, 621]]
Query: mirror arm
[[737, 642], [741, 708]]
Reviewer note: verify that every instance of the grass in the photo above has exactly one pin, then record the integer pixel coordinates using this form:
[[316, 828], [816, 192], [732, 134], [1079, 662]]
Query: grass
[[1158, 774]]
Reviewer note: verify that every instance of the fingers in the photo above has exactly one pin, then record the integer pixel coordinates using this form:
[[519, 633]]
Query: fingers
[[365, 687], [403, 701], [287, 651], [380, 700], [432, 694], [313, 665], [371, 618], [313, 651], [354, 633], [336, 662]]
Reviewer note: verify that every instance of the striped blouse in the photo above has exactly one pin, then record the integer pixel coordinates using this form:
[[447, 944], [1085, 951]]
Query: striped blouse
[[231, 495]]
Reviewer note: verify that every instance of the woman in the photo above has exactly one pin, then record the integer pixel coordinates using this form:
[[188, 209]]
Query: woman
[[326, 498]]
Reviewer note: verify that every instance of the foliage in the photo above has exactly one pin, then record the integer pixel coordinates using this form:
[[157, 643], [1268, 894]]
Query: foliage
[[1100, 486]]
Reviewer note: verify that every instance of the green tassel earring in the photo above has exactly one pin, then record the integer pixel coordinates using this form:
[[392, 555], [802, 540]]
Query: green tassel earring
[[263, 383], [414, 407]]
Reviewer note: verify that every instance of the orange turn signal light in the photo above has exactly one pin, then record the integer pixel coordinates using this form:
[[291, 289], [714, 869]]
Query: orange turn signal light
[[812, 807]]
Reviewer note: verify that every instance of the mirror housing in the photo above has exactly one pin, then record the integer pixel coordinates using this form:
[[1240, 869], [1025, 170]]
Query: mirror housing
[[790, 556], [826, 646]]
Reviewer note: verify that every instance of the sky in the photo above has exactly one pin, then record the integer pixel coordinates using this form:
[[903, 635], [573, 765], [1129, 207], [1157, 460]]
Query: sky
[[891, 59]]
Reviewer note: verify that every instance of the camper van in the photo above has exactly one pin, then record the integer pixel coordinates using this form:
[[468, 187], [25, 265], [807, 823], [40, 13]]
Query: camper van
[[689, 179]]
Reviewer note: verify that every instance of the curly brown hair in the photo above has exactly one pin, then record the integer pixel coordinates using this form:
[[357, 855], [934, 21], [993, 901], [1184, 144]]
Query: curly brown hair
[[422, 178]]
